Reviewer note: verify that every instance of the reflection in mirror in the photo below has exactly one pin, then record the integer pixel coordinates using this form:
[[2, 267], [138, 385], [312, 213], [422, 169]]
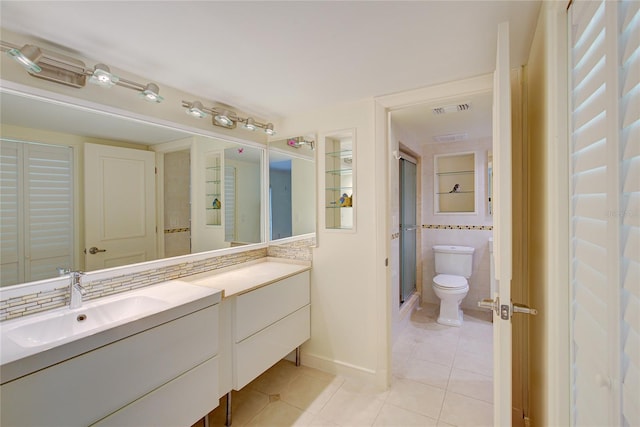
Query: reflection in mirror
[[292, 187], [77, 183]]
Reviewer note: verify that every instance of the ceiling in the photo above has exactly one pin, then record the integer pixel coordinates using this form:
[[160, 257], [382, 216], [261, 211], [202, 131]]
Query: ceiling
[[276, 59]]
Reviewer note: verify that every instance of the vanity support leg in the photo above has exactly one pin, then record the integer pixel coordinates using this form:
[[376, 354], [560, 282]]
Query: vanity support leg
[[228, 411], [298, 356]]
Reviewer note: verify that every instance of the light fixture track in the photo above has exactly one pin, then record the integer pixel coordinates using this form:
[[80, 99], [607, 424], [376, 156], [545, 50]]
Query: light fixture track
[[69, 71], [223, 117], [63, 69]]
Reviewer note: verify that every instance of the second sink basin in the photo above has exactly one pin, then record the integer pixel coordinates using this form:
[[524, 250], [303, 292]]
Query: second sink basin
[[83, 319]]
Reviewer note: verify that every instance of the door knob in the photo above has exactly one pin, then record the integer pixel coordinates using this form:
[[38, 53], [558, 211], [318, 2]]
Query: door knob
[[521, 308], [93, 250], [489, 304], [505, 310]]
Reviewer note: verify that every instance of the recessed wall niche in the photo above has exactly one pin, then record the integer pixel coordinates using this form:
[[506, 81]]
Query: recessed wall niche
[[455, 183]]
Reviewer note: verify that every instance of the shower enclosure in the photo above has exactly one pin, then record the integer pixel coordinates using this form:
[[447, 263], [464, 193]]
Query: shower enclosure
[[408, 229]]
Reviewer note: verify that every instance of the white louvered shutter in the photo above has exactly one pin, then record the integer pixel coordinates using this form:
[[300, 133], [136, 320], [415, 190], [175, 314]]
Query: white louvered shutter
[[605, 238], [11, 259], [36, 232], [629, 48]]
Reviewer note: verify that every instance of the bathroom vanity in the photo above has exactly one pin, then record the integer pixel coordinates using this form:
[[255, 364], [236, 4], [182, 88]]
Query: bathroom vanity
[[143, 349], [118, 361]]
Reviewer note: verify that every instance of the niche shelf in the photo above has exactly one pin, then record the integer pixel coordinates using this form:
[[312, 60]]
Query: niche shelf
[[213, 188], [339, 180], [454, 183]]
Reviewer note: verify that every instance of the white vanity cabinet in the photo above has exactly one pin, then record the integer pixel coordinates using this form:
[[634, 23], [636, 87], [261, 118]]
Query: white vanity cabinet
[[268, 323], [162, 376], [265, 314]]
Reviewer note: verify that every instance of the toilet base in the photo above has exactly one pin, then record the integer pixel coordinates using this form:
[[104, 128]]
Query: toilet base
[[450, 320]]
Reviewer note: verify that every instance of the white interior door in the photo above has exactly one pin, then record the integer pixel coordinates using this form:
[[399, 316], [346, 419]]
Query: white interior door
[[502, 231], [120, 220]]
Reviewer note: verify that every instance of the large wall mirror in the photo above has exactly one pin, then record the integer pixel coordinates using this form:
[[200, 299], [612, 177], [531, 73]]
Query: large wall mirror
[[292, 187], [79, 190]]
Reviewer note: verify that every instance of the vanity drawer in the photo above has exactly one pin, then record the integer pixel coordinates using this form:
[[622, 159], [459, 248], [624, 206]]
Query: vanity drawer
[[262, 307], [259, 352], [89, 387], [180, 402]]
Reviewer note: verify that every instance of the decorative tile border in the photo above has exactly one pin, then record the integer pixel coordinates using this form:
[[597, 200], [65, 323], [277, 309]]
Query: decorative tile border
[[458, 227], [46, 300], [176, 230], [449, 227]]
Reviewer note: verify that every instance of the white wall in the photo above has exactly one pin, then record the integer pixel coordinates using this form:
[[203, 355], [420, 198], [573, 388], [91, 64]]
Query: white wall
[[348, 334]]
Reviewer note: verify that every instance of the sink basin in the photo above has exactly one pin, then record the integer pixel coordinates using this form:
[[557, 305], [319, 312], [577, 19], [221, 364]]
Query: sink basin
[[39, 340], [83, 319]]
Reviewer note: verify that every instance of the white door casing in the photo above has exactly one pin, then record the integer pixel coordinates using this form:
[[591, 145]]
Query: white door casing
[[120, 219], [502, 230]]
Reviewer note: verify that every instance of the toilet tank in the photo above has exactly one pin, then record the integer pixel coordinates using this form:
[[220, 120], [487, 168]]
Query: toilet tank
[[456, 260]]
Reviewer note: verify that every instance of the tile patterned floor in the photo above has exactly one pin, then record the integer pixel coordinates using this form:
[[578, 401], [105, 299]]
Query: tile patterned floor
[[442, 376]]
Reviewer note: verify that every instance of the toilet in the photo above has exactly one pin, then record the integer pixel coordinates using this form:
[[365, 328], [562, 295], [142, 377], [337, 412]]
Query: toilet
[[453, 268]]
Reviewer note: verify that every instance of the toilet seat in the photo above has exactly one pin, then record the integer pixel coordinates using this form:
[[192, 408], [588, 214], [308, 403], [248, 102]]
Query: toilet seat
[[450, 282]]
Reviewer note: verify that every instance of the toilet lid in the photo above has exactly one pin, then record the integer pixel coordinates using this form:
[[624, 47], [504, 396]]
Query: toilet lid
[[449, 281]]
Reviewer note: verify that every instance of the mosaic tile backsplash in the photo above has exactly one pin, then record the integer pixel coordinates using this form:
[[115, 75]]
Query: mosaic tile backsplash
[[58, 297], [299, 250], [24, 305]]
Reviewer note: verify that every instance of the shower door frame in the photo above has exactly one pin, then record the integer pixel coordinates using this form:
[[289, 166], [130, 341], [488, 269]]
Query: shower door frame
[[406, 228]]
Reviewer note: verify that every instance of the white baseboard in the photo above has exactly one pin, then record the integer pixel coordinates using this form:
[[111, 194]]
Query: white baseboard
[[337, 367]]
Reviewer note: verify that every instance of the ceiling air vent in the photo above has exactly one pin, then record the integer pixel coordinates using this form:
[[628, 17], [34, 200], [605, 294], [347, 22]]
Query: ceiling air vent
[[452, 108], [451, 137]]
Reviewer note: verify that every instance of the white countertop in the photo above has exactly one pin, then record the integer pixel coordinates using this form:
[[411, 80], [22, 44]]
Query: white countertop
[[246, 277]]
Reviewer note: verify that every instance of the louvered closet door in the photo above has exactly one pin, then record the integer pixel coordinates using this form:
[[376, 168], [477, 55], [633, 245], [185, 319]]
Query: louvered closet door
[[605, 182], [36, 204]]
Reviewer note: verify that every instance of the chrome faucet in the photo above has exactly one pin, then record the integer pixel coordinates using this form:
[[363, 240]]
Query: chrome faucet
[[76, 291]]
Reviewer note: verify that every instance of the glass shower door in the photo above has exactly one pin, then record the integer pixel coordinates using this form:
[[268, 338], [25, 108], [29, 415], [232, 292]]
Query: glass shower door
[[408, 229]]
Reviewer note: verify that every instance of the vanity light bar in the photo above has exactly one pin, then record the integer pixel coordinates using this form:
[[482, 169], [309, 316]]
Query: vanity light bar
[[299, 141], [59, 68], [224, 117], [69, 71]]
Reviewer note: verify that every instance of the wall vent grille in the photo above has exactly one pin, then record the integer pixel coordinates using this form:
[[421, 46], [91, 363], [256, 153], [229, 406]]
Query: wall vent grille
[[452, 108]]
